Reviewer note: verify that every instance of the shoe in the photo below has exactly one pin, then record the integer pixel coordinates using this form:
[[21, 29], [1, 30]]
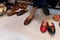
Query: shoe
[[21, 12], [46, 11], [56, 17], [21, 5], [10, 13], [51, 29], [1, 14], [27, 21], [43, 27], [2, 9]]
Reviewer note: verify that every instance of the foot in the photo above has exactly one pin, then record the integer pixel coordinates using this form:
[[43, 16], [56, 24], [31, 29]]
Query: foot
[[30, 17], [28, 20]]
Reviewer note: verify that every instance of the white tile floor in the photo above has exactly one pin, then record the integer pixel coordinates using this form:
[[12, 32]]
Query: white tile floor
[[12, 28]]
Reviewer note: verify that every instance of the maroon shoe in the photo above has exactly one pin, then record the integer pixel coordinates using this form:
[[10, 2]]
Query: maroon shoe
[[27, 21]]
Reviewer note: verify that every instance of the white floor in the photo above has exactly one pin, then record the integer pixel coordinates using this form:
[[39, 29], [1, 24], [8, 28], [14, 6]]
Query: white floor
[[12, 28]]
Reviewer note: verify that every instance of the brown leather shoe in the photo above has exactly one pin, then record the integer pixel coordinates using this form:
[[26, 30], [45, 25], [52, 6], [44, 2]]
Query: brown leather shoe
[[10, 13], [27, 21]]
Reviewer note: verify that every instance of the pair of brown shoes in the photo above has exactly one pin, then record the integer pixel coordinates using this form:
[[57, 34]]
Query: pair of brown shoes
[[18, 13], [17, 7]]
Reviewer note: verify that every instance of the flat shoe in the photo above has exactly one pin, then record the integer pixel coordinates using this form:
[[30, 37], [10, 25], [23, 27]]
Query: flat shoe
[[11, 13], [51, 29], [56, 17], [43, 28], [27, 21]]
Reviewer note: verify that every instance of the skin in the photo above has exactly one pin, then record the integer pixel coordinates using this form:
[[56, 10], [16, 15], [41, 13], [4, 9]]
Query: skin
[[32, 13]]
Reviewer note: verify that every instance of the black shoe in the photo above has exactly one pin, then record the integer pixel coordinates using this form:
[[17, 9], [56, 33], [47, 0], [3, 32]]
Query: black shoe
[[50, 31], [46, 11], [21, 12]]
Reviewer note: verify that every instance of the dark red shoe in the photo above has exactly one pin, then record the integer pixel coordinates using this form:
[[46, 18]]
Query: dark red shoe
[[27, 21], [43, 27], [51, 29]]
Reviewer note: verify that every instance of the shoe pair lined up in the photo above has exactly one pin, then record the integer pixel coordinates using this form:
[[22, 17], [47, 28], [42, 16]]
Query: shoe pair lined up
[[50, 27], [21, 12]]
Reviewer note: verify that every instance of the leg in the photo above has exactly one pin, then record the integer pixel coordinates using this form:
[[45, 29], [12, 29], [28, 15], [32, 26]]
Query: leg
[[30, 17], [53, 3], [59, 3], [44, 6], [46, 11], [32, 13]]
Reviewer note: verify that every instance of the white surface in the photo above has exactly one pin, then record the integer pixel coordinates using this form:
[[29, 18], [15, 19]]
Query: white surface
[[13, 36], [12, 28]]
